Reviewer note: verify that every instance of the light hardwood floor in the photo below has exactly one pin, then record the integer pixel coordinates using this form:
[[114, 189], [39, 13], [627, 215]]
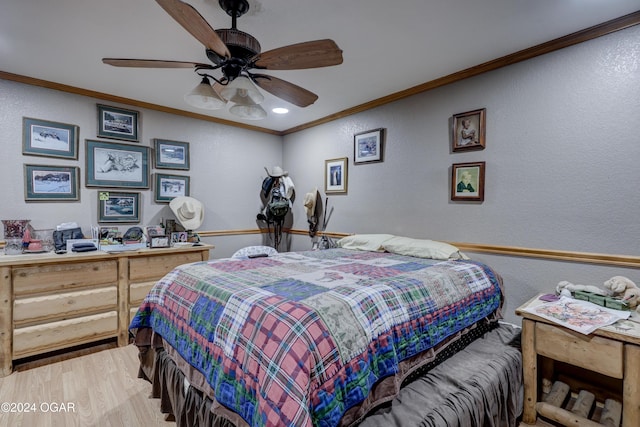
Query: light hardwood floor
[[94, 390]]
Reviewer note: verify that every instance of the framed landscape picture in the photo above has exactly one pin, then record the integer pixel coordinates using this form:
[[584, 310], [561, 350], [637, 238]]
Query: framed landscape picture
[[49, 139], [116, 165], [468, 130], [367, 146], [117, 123], [50, 183], [169, 187], [467, 181], [171, 154], [335, 175], [118, 207]]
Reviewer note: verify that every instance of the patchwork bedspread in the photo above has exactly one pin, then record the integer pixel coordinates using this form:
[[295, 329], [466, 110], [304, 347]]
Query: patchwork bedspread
[[298, 338]]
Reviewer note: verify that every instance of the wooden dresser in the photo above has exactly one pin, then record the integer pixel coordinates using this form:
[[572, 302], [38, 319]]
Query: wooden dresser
[[52, 302]]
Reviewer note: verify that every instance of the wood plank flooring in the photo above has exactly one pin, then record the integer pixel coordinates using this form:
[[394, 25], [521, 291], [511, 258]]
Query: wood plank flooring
[[95, 390]]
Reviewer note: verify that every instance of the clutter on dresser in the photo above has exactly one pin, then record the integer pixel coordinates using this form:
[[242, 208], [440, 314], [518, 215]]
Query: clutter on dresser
[[83, 246], [189, 213], [157, 237], [65, 232], [14, 230], [112, 240], [21, 238]]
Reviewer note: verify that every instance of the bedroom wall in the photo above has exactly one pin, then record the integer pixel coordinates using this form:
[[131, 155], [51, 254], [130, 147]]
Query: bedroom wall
[[227, 164], [562, 152]]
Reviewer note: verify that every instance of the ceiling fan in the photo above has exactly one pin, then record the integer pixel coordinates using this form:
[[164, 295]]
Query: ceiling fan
[[237, 55]]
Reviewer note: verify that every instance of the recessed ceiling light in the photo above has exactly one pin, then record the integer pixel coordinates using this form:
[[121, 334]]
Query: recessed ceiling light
[[280, 110]]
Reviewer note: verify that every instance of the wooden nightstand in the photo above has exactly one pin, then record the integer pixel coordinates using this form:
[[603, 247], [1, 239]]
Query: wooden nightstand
[[605, 362]]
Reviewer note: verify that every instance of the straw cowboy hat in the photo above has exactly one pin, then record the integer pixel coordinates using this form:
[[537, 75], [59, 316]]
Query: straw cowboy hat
[[188, 211], [310, 200]]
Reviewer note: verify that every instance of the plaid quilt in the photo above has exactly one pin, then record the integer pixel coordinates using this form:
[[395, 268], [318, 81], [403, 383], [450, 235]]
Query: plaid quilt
[[298, 338]]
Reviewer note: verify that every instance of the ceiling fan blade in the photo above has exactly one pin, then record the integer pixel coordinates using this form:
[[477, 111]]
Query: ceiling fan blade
[[196, 25], [285, 90], [152, 63], [313, 54]]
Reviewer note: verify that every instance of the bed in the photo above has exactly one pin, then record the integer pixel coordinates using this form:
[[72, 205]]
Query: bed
[[320, 338]]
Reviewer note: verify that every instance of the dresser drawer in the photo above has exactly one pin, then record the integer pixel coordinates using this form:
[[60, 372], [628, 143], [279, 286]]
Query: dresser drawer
[[594, 353], [64, 305], [154, 267], [50, 278], [137, 292], [38, 339]]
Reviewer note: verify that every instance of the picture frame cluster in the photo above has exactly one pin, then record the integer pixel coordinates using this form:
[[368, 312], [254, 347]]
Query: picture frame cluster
[[467, 180], [468, 133], [126, 165], [112, 167], [368, 147]]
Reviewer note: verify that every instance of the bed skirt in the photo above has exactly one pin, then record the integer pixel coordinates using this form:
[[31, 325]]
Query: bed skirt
[[477, 382], [479, 386]]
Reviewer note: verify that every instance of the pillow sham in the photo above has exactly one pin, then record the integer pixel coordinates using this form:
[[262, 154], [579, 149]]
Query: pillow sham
[[422, 248], [364, 242]]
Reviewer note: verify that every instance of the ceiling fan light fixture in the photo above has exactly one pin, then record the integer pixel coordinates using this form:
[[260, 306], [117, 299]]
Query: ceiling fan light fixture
[[242, 91], [248, 112], [204, 96]]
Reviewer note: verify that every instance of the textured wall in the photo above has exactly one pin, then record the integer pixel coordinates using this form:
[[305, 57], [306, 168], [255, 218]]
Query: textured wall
[[227, 163], [562, 153]]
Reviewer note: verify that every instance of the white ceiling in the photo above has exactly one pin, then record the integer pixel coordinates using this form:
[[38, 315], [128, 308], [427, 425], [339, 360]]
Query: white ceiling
[[388, 46]]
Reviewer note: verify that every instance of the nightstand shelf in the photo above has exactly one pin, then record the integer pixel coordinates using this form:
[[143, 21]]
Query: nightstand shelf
[[605, 363]]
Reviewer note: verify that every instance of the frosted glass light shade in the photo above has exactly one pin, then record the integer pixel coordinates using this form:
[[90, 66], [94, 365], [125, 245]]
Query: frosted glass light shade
[[248, 112], [242, 91], [204, 96]]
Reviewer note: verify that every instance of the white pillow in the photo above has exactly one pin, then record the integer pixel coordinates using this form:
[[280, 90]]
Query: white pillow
[[422, 248], [364, 242]]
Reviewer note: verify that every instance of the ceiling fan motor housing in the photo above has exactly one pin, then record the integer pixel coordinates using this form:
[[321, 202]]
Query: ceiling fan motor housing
[[241, 45], [234, 8]]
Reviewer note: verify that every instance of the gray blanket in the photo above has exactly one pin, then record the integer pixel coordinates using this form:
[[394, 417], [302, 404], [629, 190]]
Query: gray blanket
[[480, 386]]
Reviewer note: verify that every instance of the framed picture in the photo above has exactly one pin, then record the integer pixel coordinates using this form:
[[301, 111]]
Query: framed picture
[[169, 187], [108, 234], [178, 237], [335, 175], [118, 207], [367, 146], [49, 139], [468, 131], [171, 154], [159, 242], [156, 231], [116, 165], [117, 123], [467, 181], [51, 183]]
